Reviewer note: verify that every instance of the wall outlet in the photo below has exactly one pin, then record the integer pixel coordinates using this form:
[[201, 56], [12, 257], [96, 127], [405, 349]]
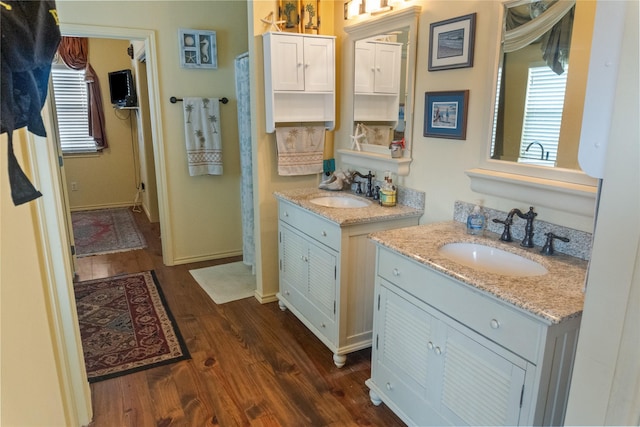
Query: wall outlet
[[74, 186]]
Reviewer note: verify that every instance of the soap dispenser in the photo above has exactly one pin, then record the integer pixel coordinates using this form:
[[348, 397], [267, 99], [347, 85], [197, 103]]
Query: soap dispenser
[[476, 221]]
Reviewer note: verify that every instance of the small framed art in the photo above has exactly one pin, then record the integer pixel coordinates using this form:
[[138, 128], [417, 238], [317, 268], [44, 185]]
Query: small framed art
[[451, 43], [290, 13], [198, 49], [445, 114]]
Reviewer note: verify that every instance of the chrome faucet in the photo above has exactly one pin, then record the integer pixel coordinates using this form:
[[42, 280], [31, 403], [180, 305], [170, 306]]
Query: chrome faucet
[[528, 228], [368, 177], [542, 152]]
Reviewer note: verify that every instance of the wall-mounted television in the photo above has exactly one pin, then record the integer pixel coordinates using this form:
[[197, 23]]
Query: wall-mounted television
[[122, 89]]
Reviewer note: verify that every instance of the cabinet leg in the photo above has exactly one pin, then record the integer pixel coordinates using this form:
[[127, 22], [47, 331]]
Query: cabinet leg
[[375, 399], [339, 360], [282, 306]]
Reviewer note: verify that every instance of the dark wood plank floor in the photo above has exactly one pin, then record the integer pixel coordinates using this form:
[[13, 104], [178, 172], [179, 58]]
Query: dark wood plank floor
[[251, 365]]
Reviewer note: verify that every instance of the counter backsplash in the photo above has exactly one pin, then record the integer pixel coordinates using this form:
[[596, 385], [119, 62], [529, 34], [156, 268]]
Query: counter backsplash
[[579, 244]]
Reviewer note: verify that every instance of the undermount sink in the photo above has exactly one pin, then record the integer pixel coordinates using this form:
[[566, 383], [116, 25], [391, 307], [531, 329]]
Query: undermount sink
[[491, 260], [339, 202]]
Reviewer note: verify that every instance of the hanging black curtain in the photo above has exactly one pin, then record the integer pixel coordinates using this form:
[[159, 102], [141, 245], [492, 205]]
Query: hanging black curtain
[[30, 37]]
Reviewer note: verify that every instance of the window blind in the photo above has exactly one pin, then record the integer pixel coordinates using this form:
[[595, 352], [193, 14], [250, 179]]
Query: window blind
[[543, 115], [72, 109]]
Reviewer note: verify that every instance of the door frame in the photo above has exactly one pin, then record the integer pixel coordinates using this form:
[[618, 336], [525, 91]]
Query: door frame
[[51, 218]]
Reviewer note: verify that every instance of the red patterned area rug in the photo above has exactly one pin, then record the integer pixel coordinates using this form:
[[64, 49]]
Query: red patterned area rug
[[126, 326], [105, 231]]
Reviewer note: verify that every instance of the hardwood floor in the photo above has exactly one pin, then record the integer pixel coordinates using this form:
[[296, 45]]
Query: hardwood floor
[[251, 365]]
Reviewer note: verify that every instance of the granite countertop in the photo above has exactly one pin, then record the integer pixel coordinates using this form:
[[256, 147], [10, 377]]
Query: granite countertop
[[346, 216], [554, 297]]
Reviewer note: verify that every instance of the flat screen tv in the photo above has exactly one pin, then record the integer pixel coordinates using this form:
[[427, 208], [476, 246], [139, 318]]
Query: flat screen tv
[[122, 89]]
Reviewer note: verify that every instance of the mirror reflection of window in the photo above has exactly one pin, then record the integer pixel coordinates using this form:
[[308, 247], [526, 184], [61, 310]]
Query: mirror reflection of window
[[538, 103]]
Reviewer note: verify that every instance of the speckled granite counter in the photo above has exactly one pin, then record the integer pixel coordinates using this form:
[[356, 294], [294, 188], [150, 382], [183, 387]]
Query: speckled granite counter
[[555, 296], [341, 216]]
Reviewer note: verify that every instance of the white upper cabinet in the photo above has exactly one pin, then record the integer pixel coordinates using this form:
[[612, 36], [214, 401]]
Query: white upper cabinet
[[299, 72], [377, 67]]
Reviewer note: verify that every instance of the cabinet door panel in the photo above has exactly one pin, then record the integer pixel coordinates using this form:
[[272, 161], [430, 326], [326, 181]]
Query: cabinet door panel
[[288, 63], [293, 259], [479, 387], [364, 60], [319, 64], [405, 332], [387, 78], [322, 280]]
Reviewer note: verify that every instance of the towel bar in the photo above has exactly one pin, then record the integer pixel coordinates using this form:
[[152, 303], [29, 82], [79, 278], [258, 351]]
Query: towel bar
[[173, 100]]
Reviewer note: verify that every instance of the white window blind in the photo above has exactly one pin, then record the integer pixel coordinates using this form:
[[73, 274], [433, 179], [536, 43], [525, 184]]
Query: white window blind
[[72, 109], [542, 116]]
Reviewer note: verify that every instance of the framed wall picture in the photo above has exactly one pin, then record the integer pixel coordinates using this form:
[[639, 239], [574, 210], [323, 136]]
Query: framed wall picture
[[445, 114], [310, 16], [289, 11], [451, 43], [198, 49]]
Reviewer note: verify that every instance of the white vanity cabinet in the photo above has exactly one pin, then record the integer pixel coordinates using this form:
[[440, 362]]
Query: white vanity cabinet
[[447, 354], [299, 73], [327, 276]]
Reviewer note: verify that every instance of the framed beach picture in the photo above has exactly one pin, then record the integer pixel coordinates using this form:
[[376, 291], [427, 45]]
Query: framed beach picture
[[451, 43], [445, 114], [198, 49]]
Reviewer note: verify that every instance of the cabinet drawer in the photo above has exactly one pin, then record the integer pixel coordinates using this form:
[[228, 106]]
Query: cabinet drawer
[[309, 314], [315, 227], [487, 316]]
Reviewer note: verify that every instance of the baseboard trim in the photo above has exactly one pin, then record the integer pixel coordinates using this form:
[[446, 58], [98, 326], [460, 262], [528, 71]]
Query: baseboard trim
[[209, 257]]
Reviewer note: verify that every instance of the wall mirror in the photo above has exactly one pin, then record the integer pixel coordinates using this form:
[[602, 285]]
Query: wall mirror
[[534, 134], [379, 58], [541, 82]]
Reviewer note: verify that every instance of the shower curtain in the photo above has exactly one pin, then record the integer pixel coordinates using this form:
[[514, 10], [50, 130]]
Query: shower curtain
[[246, 178]]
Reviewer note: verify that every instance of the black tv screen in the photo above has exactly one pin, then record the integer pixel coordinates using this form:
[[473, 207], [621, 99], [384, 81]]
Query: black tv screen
[[122, 89]]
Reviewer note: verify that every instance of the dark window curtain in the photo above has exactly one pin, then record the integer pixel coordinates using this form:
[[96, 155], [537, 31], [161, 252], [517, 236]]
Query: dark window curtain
[[74, 52]]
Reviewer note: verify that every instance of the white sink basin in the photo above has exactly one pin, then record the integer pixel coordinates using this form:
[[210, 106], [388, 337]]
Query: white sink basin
[[340, 202], [491, 260]]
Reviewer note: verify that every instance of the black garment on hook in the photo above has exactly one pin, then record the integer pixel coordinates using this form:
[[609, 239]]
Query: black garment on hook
[[30, 38]]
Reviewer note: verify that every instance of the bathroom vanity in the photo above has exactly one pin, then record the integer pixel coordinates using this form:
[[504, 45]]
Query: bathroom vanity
[[326, 264], [454, 345]]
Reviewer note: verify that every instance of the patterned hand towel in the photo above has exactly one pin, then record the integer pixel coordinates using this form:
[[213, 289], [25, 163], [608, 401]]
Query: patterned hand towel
[[300, 150], [202, 136]]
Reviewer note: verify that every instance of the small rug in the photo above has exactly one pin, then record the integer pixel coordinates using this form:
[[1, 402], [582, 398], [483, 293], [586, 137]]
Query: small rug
[[105, 231], [126, 326], [226, 282]]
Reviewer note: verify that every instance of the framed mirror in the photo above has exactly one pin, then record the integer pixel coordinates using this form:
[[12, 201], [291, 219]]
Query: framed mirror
[[531, 168], [379, 58]]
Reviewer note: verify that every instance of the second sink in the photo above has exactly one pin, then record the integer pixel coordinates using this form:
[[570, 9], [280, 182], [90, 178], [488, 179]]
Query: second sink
[[339, 202], [491, 260]]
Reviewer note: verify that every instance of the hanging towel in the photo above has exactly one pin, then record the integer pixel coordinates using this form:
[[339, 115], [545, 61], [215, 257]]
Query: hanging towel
[[300, 150], [202, 136]]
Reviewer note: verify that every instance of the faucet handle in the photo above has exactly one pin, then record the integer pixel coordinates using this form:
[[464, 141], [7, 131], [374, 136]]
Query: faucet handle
[[547, 249], [506, 234]]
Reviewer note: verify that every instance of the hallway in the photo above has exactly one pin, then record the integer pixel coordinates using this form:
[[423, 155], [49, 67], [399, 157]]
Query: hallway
[[252, 364]]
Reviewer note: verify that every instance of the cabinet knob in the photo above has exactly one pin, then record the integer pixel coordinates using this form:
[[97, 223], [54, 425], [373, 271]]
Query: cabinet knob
[[286, 293], [494, 324], [396, 272], [324, 233], [323, 325], [438, 351], [389, 386], [286, 213], [430, 345]]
